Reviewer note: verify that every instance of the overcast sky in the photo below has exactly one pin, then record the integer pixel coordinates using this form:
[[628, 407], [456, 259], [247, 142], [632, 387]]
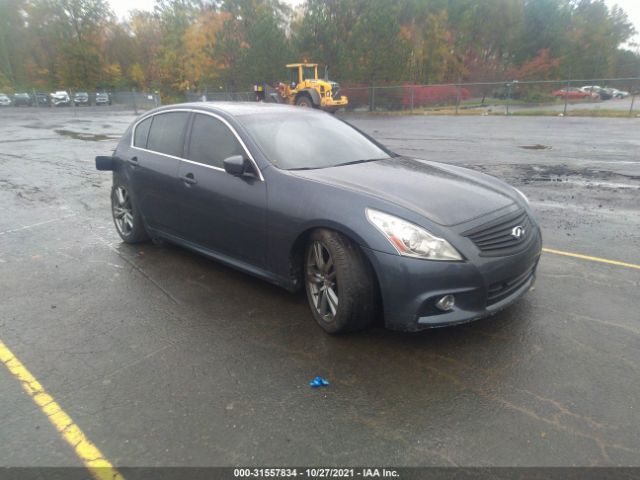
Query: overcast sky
[[122, 7]]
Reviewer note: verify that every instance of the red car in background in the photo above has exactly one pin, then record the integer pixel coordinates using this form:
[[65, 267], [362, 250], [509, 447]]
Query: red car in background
[[574, 93]]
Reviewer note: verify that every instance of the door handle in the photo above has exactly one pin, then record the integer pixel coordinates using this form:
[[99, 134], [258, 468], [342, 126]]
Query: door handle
[[189, 179], [133, 161]]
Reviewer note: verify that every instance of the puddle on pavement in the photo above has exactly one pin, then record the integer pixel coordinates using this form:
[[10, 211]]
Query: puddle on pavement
[[89, 137], [537, 146]]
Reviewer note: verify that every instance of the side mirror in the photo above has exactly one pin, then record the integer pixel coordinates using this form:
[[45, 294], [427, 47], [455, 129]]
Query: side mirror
[[237, 165], [104, 163]]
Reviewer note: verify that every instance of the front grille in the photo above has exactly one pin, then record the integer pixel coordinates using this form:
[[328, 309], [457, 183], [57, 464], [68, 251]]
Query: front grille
[[501, 290], [496, 237]]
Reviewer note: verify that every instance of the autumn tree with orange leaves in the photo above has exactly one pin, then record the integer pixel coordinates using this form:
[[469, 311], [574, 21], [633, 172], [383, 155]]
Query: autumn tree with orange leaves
[[227, 45]]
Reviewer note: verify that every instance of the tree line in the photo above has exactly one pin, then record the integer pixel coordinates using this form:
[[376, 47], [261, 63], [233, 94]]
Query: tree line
[[228, 45]]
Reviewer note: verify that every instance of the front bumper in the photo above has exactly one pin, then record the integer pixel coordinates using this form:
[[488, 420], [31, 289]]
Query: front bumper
[[329, 104], [482, 286]]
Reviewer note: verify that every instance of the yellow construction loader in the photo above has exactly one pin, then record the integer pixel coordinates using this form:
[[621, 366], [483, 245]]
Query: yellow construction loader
[[305, 89]]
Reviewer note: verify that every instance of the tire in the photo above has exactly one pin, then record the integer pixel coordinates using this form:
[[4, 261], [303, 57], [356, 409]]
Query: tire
[[126, 216], [304, 101], [339, 283]]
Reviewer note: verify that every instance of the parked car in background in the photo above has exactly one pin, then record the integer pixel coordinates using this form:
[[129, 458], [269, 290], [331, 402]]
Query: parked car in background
[[60, 99], [574, 93], [81, 99], [619, 93], [22, 99], [603, 93], [103, 98], [42, 99], [5, 101]]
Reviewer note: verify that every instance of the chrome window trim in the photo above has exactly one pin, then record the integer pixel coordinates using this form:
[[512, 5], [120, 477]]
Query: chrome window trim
[[202, 112]]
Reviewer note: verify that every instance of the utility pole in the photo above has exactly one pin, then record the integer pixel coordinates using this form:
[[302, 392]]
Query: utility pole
[[566, 93], [458, 94]]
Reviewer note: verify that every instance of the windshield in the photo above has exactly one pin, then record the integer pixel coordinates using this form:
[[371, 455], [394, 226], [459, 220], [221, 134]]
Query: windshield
[[308, 73], [309, 140]]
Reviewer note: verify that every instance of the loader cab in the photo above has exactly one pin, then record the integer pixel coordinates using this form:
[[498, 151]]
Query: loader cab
[[300, 72]]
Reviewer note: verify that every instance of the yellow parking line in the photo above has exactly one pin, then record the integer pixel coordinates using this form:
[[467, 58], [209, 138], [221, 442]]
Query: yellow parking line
[[591, 259], [100, 467]]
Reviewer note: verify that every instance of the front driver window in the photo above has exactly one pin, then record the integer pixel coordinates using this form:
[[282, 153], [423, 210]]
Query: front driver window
[[212, 141]]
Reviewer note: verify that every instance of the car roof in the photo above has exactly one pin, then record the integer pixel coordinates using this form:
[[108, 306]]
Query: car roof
[[237, 109]]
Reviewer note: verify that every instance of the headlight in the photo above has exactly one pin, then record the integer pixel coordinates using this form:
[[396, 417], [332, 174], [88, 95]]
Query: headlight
[[524, 197], [411, 240]]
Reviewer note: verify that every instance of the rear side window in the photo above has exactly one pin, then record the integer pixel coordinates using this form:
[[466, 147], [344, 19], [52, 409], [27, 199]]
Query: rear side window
[[141, 133], [167, 133], [212, 141]]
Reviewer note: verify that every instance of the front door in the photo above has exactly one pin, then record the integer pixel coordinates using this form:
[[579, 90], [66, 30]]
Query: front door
[[219, 211]]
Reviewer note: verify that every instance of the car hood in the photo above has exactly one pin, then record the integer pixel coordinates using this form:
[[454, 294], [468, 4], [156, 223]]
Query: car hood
[[444, 194]]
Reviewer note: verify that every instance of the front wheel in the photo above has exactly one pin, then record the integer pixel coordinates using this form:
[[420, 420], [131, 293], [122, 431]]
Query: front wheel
[[304, 101], [126, 215], [339, 283]]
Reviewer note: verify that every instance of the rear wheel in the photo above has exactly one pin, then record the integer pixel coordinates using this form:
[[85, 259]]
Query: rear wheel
[[339, 283], [126, 215]]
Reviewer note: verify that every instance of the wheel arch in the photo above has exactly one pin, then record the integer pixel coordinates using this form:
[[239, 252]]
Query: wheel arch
[[297, 250], [311, 93]]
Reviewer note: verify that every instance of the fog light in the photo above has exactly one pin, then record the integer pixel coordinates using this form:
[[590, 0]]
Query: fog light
[[446, 303]]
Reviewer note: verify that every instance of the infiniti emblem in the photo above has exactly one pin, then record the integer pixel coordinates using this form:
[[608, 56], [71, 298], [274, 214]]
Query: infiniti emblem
[[517, 232]]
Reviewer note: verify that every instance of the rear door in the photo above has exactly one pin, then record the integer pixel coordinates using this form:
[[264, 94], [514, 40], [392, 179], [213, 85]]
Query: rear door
[[158, 145], [219, 211]]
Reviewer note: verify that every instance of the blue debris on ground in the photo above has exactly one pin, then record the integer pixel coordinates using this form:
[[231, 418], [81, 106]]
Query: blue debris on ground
[[318, 382]]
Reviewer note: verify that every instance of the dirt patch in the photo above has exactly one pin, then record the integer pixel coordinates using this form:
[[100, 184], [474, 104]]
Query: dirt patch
[[531, 174], [26, 193]]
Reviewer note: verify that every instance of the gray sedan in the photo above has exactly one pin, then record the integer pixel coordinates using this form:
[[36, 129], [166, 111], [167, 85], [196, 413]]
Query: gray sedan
[[302, 199]]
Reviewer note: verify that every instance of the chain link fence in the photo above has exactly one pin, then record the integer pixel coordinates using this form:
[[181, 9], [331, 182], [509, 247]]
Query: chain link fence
[[600, 96], [614, 97], [218, 96]]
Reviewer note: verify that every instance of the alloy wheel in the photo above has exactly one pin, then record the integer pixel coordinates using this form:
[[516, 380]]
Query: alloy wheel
[[122, 210], [321, 281]]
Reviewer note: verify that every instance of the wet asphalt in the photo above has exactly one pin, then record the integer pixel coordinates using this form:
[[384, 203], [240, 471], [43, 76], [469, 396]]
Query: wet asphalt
[[164, 358]]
